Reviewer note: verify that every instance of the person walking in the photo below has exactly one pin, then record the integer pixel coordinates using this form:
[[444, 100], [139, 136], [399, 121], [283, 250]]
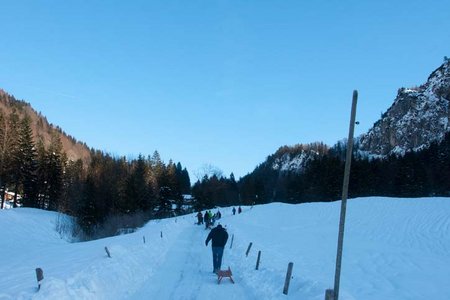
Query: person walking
[[200, 218], [234, 211], [211, 218], [218, 237], [206, 219], [239, 210]]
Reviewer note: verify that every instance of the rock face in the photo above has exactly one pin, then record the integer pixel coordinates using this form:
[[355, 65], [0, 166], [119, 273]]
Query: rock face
[[417, 117]]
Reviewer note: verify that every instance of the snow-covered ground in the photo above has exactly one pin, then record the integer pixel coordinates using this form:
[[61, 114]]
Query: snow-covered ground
[[393, 249]]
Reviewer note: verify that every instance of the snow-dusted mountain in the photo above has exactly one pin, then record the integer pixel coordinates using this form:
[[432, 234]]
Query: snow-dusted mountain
[[417, 117], [295, 158]]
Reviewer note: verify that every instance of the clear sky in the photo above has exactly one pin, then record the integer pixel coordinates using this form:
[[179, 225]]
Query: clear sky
[[216, 82]]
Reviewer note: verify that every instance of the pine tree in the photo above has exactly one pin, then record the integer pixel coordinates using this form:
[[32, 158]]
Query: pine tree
[[54, 168], [183, 179], [73, 187], [12, 160], [88, 214], [27, 161], [137, 193], [3, 156]]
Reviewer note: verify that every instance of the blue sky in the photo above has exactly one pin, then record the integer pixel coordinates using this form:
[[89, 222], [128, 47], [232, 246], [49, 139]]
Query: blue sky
[[221, 82]]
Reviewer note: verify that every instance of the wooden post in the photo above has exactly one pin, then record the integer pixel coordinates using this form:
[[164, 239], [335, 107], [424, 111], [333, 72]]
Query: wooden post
[[348, 162], [329, 294], [288, 278], [143, 238], [248, 249], [257, 260], [232, 239], [39, 276], [161, 234], [107, 252]]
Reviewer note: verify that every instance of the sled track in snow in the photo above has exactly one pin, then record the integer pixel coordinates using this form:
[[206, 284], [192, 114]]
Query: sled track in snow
[[186, 273]]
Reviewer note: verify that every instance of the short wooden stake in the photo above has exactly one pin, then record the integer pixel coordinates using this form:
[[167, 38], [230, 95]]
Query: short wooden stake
[[257, 261], [161, 234], [39, 276], [288, 278], [248, 249], [143, 238], [232, 239], [107, 252], [329, 294]]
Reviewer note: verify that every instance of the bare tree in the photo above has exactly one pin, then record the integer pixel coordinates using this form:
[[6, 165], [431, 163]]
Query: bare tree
[[208, 170]]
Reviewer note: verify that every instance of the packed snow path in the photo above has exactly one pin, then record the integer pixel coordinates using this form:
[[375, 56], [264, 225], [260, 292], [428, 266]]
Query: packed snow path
[[187, 273]]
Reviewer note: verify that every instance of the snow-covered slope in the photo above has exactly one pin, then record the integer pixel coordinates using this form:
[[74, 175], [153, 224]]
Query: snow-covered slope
[[393, 249], [417, 117], [295, 158]]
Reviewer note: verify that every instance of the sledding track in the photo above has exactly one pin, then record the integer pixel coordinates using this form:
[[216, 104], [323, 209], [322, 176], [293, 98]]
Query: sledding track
[[187, 274]]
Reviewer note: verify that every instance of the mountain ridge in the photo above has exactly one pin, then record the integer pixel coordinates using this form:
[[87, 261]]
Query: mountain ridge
[[417, 117]]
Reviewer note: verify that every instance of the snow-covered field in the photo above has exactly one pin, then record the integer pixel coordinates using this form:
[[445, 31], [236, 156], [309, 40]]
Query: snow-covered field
[[393, 249]]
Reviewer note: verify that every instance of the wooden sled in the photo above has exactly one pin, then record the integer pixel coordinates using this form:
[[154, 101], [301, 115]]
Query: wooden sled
[[224, 273]]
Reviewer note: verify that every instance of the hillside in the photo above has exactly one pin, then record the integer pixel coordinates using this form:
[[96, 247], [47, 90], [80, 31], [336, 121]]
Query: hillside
[[394, 249], [42, 129]]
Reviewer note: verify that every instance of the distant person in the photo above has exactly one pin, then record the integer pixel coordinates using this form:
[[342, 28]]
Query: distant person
[[218, 237], [234, 211], [212, 218], [207, 219], [200, 218], [239, 210]]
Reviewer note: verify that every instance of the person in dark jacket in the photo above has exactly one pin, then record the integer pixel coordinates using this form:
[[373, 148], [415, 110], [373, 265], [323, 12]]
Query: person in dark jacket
[[200, 218], [218, 237], [206, 219]]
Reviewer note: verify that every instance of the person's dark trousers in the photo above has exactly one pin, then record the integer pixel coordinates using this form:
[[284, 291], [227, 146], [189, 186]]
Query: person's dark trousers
[[217, 257]]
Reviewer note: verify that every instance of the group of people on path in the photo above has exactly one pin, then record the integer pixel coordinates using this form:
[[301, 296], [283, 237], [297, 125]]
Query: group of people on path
[[208, 219]]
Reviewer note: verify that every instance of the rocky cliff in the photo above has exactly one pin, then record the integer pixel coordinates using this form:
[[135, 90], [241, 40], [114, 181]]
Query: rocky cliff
[[417, 117]]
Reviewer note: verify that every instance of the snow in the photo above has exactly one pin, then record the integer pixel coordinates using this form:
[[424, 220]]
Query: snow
[[298, 162], [393, 249]]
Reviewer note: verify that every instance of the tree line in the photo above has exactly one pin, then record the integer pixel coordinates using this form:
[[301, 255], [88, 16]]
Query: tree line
[[108, 194], [117, 193], [415, 174]]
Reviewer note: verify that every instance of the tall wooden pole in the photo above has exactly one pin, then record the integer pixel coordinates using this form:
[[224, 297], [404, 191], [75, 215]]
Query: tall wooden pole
[[348, 162]]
